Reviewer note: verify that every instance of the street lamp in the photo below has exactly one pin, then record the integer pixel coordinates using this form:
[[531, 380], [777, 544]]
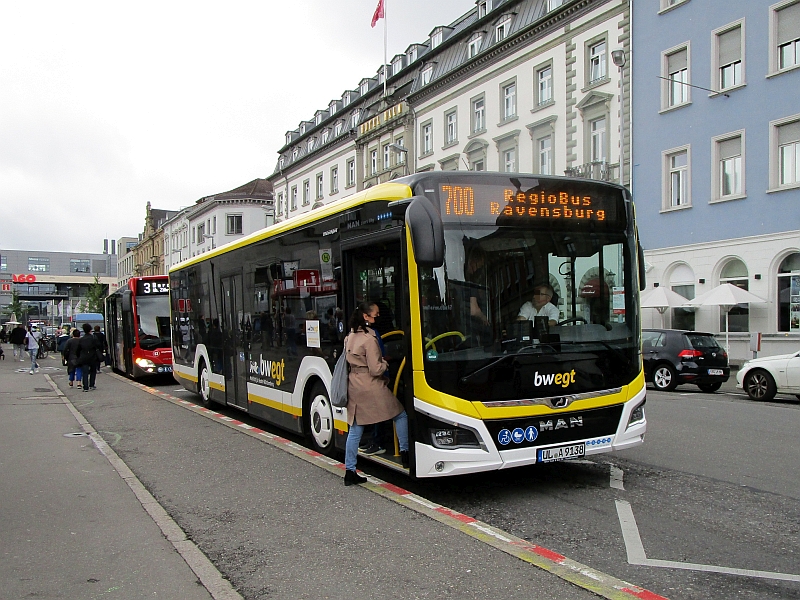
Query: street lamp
[[618, 56]]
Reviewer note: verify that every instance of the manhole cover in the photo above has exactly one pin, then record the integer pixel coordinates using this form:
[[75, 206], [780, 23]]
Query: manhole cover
[[76, 434]]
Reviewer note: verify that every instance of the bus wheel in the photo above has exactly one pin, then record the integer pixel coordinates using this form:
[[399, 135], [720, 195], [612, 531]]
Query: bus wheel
[[320, 421], [204, 385]]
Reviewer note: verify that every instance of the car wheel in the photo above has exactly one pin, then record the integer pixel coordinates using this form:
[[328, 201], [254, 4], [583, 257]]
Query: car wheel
[[664, 378], [709, 387], [320, 421], [204, 386], [760, 385]]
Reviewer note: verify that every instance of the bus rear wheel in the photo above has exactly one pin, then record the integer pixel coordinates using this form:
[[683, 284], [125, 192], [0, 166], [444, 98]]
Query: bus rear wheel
[[204, 385], [320, 421]]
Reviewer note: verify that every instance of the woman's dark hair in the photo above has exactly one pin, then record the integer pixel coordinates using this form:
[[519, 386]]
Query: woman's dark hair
[[357, 321]]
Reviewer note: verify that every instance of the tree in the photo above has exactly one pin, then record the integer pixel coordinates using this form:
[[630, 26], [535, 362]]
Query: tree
[[95, 296], [15, 307]]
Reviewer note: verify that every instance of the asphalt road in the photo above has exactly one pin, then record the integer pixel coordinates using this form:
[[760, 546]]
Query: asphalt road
[[706, 508]]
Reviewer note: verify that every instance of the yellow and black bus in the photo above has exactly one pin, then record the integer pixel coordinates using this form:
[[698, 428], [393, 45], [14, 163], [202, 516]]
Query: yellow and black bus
[[458, 263]]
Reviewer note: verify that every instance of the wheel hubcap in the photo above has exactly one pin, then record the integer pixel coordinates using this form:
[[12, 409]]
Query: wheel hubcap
[[662, 378], [758, 386], [204, 387], [321, 421]]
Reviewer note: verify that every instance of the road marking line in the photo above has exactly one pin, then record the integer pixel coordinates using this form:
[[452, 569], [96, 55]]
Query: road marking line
[[616, 478], [637, 556]]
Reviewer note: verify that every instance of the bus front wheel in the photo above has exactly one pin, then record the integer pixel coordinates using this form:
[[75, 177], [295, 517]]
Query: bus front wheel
[[320, 421], [204, 385]]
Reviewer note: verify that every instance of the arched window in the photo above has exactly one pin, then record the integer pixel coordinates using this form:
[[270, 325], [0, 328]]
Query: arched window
[[789, 294], [735, 273]]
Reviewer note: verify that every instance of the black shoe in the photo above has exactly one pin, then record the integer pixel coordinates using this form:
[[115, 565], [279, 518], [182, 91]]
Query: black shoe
[[353, 478], [404, 458], [372, 449]]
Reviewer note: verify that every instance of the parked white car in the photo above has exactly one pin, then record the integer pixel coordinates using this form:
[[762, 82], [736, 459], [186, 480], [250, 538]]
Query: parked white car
[[762, 378]]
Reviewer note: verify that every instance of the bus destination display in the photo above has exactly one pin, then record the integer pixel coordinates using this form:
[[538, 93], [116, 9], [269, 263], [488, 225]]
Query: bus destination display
[[151, 288], [487, 203]]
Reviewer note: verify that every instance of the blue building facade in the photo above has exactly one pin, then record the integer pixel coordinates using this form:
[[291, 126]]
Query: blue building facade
[[716, 160]]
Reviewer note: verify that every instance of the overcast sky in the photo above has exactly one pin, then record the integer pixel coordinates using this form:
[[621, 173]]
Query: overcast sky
[[106, 105]]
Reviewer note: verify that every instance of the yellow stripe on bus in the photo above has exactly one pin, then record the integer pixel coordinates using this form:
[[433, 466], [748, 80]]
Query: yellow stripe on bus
[[183, 375]]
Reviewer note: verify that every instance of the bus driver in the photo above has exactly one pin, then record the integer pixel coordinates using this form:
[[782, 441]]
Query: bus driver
[[540, 306]]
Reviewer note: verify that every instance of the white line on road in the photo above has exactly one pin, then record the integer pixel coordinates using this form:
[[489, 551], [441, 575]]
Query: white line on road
[[637, 556], [616, 478]]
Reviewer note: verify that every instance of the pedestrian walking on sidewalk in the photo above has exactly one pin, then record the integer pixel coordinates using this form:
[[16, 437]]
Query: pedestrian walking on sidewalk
[[369, 399], [32, 345], [70, 353], [17, 338], [88, 347]]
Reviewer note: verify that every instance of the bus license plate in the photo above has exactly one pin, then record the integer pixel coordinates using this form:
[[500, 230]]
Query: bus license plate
[[715, 371], [560, 453], [165, 369]]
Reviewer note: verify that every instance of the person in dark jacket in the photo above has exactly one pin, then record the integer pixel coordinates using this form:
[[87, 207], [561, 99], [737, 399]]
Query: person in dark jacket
[[101, 340], [18, 339], [87, 357], [70, 354]]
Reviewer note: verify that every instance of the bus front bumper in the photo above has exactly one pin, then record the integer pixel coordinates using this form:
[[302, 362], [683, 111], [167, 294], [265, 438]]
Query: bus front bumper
[[436, 462]]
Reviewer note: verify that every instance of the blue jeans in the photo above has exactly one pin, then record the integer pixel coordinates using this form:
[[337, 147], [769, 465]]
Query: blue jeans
[[356, 431], [76, 373], [34, 364]]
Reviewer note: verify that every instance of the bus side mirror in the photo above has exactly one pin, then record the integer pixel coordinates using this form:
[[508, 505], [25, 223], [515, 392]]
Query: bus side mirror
[[427, 232], [642, 276], [127, 304]]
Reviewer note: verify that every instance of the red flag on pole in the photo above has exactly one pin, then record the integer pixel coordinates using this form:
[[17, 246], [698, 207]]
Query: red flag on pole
[[378, 13]]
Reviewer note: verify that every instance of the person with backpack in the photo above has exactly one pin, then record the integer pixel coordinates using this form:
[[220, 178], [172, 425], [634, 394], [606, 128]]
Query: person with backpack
[[88, 347], [32, 346]]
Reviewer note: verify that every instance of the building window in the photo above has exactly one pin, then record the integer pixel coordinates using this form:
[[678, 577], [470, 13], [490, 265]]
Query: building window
[[38, 264], [510, 161], [334, 180], [786, 33], [451, 127], [545, 147], [735, 273], [474, 45], [397, 65], [310, 145], [427, 73], [326, 136], [544, 85], [373, 162], [280, 204], [509, 94], [597, 145], [789, 294], [412, 54], [80, 266], [401, 156], [484, 7], [729, 57], [295, 153], [676, 186], [478, 165], [201, 233], [683, 318], [319, 186], [364, 88], [386, 157], [676, 77], [234, 224], [281, 162], [502, 29], [354, 120], [337, 129], [427, 138], [436, 37], [508, 152], [306, 192], [554, 4], [478, 114], [597, 62], [787, 137], [729, 166], [294, 197], [351, 172]]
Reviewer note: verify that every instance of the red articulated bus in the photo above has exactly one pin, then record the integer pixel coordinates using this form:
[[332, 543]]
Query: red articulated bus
[[138, 327]]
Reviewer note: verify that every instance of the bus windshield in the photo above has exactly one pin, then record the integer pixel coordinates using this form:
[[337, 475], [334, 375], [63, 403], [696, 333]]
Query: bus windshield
[[513, 306], [152, 314]]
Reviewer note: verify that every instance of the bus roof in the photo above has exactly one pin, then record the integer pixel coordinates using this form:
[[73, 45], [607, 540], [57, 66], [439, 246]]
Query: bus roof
[[385, 191]]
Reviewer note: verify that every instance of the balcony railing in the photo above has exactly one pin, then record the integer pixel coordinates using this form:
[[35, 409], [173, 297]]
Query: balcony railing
[[597, 169]]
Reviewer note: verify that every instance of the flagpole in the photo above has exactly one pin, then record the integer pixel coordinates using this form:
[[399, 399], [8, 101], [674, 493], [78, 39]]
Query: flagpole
[[385, 46]]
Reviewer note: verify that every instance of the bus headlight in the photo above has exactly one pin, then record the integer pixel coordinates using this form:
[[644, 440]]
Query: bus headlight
[[452, 437], [145, 363], [637, 414]]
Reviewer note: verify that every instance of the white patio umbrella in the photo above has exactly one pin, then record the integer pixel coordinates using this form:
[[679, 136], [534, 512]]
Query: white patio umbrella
[[726, 296], [661, 298]]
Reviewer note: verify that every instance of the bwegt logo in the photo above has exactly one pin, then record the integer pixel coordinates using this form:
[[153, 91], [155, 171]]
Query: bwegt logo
[[562, 379], [271, 369]]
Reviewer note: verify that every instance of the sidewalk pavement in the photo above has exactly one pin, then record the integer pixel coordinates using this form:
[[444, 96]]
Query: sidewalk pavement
[[71, 527]]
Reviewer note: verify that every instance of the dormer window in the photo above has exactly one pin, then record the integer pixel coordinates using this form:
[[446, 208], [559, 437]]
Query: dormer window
[[302, 129], [397, 65], [347, 98], [310, 145], [554, 4], [337, 129], [502, 29], [326, 136], [412, 54], [281, 162], [295, 153], [364, 87], [484, 6], [380, 75], [474, 45], [436, 37], [318, 118], [288, 138], [332, 108], [427, 74], [354, 120]]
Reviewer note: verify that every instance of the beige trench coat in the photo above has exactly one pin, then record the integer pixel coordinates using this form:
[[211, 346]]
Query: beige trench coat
[[369, 400]]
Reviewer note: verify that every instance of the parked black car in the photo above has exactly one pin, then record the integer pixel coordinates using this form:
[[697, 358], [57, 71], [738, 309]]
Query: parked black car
[[673, 357]]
